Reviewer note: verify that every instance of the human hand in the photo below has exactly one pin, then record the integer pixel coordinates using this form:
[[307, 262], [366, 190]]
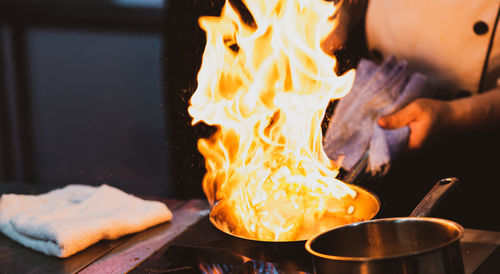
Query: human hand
[[427, 119]]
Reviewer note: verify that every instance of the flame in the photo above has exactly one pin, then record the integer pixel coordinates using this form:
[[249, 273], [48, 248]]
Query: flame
[[265, 85]]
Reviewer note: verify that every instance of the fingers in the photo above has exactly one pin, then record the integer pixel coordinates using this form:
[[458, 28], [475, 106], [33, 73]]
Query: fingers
[[426, 118], [398, 119]]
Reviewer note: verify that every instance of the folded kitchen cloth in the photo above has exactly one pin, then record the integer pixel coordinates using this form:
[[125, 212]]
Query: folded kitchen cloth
[[67, 220], [378, 90]]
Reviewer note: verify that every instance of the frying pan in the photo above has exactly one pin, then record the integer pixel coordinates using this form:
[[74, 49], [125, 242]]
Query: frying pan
[[286, 253], [366, 206]]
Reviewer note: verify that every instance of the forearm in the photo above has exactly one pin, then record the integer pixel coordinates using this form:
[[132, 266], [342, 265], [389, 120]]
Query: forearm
[[482, 110]]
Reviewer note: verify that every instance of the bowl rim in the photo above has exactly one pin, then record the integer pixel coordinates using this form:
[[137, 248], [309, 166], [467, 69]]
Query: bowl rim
[[444, 222]]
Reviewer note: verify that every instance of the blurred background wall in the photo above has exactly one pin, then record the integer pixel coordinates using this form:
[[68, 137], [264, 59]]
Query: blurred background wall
[[95, 92]]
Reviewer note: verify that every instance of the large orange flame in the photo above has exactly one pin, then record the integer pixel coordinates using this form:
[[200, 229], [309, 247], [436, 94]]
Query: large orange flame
[[266, 86]]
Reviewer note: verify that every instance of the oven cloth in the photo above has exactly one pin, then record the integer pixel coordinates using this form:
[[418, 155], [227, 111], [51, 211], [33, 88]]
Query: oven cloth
[[378, 90], [67, 220]]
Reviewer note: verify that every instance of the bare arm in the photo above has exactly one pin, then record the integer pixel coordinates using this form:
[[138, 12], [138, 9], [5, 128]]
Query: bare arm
[[428, 119], [477, 111]]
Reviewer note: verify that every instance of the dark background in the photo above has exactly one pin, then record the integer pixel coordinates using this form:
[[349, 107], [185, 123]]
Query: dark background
[[96, 92]]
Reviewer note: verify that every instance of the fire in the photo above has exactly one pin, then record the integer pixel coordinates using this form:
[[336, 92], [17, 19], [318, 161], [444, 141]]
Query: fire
[[265, 85]]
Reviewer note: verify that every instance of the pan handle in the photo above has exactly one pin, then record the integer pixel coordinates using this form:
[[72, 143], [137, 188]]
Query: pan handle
[[357, 169], [434, 196]]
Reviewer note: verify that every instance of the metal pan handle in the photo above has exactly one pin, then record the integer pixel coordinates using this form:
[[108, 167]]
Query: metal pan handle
[[357, 169], [434, 196]]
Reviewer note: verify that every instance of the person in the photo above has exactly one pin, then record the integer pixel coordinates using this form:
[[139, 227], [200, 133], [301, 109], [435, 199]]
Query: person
[[456, 44]]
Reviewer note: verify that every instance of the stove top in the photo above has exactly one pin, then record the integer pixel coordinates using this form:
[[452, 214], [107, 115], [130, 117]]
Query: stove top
[[204, 249]]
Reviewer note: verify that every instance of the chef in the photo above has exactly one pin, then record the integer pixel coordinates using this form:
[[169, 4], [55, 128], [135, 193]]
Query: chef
[[456, 45]]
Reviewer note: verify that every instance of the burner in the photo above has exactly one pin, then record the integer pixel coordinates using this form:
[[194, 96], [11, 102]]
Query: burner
[[195, 259]]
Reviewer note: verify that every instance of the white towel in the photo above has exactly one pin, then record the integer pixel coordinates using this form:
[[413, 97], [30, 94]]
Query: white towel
[[67, 220]]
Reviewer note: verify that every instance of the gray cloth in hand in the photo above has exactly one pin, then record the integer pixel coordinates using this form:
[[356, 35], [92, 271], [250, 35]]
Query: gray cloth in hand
[[377, 91]]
